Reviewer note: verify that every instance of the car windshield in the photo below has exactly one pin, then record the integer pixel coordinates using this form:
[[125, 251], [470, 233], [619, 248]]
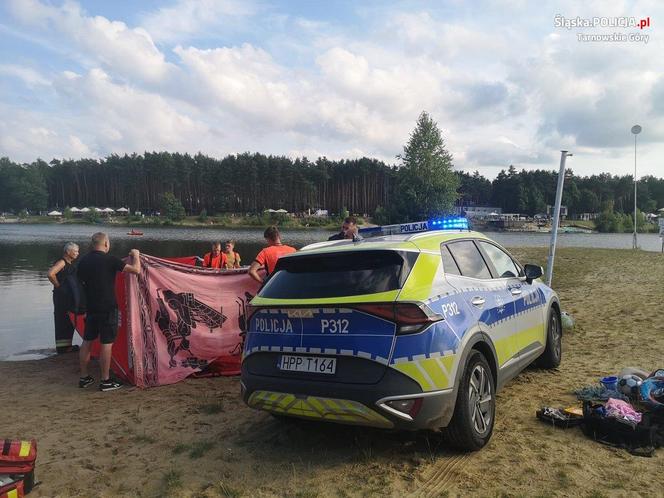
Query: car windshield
[[348, 273]]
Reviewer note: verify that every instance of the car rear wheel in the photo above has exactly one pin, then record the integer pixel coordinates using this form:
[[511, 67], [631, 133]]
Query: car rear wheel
[[472, 423], [554, 342]]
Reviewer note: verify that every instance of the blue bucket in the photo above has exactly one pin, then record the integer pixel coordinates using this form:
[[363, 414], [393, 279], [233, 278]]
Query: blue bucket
[[610, 383]]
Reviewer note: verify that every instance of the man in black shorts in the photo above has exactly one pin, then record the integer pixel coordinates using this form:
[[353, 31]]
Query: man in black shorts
[[97, 271]]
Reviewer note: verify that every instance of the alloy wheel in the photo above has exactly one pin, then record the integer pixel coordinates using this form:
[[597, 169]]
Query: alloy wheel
[[556, 335], [480, 398]]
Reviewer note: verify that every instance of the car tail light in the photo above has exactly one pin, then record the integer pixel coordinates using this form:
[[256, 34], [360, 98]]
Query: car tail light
[[409, 317]]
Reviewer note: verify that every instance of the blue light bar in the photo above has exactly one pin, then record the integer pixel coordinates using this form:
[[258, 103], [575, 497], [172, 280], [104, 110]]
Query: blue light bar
[[449, 223], [442, 223]]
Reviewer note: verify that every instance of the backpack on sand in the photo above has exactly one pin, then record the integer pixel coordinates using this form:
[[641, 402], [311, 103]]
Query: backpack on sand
[[17, 467]]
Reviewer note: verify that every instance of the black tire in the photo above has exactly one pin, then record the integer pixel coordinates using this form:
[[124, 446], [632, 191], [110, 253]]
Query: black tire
[[553, 353], [472, 423]]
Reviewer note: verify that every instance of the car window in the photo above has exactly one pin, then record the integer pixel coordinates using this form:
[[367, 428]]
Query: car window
[[469, 259], [449, 265], [502, 261], [348, 273]]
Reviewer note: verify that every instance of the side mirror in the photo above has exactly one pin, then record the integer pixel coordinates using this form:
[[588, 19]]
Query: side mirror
[[533, 272]]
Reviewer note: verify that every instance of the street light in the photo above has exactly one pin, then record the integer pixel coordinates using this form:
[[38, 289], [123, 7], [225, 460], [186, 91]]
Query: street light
[[636, 129]]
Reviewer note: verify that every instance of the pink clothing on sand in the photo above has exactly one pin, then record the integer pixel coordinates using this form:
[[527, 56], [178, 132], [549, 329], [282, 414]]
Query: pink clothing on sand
[[622, 410]]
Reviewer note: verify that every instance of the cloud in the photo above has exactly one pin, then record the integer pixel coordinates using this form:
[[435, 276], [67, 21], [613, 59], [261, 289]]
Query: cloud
[[26, 74], [501, 152], [122, 118], [185, 19], [240, 80], [588, 109], [402, 88], [22, 141], [244, 85], [130, 53]]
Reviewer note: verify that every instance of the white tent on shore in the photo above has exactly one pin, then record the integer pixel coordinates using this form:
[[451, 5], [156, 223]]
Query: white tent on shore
[[55, 213], [108, 210], [75, 210], [122, 210]]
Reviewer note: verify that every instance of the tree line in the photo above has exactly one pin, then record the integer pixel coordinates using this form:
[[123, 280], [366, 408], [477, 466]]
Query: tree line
[[530, 192], [243, 183], [422, 184]]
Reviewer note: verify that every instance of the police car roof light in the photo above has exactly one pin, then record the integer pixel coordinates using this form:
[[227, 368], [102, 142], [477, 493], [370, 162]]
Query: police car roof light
[[449, 223], [443, 223]]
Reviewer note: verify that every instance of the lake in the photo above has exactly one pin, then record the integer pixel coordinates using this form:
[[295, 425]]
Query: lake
[[27, 251]]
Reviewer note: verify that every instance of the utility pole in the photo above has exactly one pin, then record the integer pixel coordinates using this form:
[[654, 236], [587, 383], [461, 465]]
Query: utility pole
[[556, 217]]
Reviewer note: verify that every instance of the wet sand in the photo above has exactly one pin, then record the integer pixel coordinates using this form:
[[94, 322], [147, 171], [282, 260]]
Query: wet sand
[[197, 439]]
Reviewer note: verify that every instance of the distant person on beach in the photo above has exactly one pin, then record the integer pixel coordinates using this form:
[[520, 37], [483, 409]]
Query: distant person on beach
[[215, 258], [268, 257], [232, 258], [350, 223], [97, 271], [59, 275]]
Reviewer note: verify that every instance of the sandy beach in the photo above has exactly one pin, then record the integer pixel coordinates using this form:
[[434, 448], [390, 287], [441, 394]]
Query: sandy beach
[[197, 439]]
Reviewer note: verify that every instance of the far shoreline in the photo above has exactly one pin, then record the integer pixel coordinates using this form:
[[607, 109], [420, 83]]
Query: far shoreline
[[189, 222]]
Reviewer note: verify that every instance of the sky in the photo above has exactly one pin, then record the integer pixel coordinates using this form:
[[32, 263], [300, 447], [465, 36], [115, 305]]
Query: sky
[[508, 82]]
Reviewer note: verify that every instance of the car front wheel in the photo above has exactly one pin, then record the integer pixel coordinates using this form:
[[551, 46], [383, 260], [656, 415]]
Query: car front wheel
[[554, 342], [472, 423]]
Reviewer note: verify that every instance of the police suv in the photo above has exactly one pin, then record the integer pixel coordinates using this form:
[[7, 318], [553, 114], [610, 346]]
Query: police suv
[[416, 328]]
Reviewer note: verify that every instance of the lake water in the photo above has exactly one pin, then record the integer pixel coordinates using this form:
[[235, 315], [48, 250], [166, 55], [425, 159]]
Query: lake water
[[27, 251]]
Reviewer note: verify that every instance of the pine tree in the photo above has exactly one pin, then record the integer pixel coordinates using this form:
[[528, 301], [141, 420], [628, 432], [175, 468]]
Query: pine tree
[[427, 184]]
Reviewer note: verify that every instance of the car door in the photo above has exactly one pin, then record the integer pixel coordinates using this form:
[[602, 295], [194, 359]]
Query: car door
[[489, 299], [506, 273]]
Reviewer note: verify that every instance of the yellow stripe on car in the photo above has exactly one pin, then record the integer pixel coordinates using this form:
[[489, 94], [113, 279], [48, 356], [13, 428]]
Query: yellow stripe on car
[[431, 374], [379, 297], [418, 285], [526, 337], [316, 407]]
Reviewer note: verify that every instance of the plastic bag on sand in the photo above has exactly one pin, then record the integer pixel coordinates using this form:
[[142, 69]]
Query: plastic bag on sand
[[566, 321], [639, 372]]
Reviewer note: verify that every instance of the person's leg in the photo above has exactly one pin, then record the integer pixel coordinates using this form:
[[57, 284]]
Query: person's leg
[[64, 330], [107, 336], [84, 357], [105, 361], [90, 335]]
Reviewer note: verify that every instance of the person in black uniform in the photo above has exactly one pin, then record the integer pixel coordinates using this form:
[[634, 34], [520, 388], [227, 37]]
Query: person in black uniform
[[58, 275], [97, 271], [350, 223]]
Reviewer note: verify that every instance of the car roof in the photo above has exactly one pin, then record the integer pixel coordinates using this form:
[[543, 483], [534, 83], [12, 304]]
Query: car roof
[[421, 241]]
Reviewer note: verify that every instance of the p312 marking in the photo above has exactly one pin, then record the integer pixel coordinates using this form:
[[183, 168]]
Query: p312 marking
[[334, 326]]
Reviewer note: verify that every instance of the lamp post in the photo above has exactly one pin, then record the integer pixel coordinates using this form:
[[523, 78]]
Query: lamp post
[[636, 129], [556, 217]]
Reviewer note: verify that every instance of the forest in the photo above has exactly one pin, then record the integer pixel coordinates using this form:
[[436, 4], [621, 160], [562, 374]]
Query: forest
[[251, 183]]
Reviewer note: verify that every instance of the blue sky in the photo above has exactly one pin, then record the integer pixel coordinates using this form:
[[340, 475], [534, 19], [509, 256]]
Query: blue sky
[[339, 79]]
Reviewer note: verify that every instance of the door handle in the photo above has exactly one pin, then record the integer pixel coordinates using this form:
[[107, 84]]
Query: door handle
[[478, 301], [516, 291]]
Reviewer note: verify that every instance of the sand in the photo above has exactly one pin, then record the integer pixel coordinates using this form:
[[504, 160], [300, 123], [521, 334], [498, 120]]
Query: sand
[[197, 439]]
